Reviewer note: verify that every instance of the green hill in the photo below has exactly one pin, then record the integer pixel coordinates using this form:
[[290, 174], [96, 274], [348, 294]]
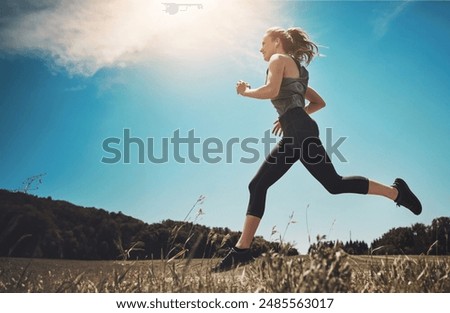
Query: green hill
[[31, 226]]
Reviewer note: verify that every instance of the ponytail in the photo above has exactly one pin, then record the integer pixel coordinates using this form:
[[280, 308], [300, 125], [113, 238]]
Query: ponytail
[[302, 47], [295, 42]]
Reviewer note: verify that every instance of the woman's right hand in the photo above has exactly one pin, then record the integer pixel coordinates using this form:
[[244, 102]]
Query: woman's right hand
[[277, 130], [241, 87]]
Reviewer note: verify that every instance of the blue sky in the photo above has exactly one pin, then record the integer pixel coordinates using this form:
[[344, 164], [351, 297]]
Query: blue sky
[[75, 74]]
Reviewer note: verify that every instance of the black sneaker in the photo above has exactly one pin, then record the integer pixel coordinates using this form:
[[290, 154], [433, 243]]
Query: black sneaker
[[406, 197], [233, 259]]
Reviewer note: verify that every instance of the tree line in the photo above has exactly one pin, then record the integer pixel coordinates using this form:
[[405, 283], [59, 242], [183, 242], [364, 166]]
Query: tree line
[[414, 240], [32, 226]]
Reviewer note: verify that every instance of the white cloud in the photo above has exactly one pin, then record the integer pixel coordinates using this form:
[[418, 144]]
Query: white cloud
[[86, 35], [383, 22]]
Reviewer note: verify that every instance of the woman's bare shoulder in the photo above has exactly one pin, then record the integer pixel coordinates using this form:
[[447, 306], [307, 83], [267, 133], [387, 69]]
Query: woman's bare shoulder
[[278, 57]]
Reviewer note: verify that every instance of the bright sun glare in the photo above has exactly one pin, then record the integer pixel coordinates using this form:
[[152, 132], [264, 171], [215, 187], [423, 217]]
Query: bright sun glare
[[84, 36], [216, 27]]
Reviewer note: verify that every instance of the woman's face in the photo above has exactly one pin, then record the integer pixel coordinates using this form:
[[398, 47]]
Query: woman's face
[[268, 46]]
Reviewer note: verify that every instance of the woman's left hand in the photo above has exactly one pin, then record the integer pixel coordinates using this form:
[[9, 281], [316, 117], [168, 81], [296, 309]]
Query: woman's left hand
[[277, 130], [241, 87]]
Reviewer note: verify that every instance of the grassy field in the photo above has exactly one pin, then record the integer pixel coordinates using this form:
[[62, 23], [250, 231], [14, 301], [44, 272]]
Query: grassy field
[[324, 270]]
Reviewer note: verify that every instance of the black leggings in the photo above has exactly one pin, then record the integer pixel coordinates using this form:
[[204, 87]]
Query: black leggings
[[300, 142]]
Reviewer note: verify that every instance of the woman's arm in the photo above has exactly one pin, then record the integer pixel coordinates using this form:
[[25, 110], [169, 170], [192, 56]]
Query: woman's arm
[[273, 83], [315, 101]]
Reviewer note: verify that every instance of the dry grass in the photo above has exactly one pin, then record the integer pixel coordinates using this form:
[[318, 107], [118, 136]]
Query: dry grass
[[324, 270]]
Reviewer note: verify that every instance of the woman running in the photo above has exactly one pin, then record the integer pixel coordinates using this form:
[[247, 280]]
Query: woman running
[[287, 87]]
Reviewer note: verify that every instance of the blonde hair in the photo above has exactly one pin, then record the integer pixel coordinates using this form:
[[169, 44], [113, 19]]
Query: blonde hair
[[295, 42]]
